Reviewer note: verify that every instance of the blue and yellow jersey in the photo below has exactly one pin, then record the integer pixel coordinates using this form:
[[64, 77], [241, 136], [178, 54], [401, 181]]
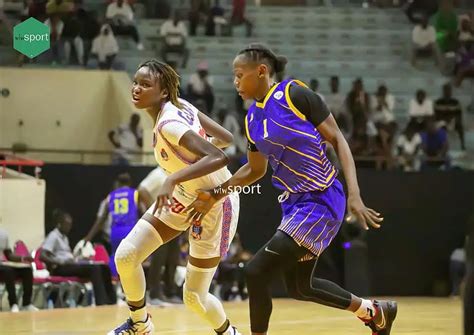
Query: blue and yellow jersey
[[295, 149], [123, 206]]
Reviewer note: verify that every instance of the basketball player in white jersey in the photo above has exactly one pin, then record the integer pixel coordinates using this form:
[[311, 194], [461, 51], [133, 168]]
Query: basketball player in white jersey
[[186, 144]]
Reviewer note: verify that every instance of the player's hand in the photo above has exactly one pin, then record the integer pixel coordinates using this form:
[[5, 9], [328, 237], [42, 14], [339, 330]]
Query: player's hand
[[365, 216], [200, 207], [164, 199]]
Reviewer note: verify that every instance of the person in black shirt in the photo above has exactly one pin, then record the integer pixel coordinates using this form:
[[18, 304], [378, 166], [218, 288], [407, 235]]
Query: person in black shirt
[[448, 109]]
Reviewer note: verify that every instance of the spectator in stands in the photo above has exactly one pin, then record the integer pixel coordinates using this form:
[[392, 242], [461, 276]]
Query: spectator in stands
[[464, 64], [358, 105], [56, 253], [174, 34], [215, 20], [360, 142], [335, 102], [424, 42], [199, 8], [466, 32], [90, 29], [12, 268], [105, 47], [421, 108], [409, 148], [383, 105], [56, 27], [127, 138], [418, 9], [230, 121], [59, 7], [445, 22], [72, 37], [449, 110], [36, 9], [238, 15], [120, 16], [434, 144], [200, 87]]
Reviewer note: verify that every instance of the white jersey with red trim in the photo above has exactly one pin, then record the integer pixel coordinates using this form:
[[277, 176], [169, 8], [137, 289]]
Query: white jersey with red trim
[[171, 125]]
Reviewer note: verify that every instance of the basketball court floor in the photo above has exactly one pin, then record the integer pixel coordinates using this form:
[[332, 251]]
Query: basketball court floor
[[417, 316]]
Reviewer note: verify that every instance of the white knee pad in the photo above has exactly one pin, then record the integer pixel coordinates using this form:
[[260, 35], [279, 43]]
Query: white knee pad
[[126, 257], [193, 301]]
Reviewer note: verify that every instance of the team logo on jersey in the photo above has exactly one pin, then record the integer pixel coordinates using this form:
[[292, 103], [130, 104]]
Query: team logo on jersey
[[164, 155], [278, 95]]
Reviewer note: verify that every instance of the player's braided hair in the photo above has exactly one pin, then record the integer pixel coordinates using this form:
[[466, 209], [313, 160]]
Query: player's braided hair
[[258, 52], [168, 77]]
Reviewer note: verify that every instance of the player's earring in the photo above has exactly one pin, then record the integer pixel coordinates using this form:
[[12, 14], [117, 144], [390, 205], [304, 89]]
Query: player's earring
[[260, 75]]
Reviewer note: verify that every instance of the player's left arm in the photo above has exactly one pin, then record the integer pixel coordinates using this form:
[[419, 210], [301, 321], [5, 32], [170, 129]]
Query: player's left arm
[[317, 112], [210, 160], [221, 137]]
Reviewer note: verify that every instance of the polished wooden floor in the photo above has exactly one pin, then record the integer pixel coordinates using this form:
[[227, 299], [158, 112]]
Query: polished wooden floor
[[416, 316]]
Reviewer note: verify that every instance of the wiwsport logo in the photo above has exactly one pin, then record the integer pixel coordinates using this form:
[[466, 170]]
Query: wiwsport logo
[[31, 37]]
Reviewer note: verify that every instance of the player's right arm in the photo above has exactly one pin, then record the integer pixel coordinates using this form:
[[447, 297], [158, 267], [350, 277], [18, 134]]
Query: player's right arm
[[221, 137]]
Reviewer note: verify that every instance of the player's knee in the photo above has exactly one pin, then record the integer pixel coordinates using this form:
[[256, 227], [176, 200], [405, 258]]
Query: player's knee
[[125, 257], [253, 272], [193, 301]]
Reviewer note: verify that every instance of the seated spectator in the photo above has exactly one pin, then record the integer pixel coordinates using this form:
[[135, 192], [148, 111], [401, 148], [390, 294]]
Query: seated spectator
[[215, 20], [360, 142], [435, 145], [200, 87], [424, 42], [230, 121], [238, 15], [449, 110], [72, 37], [199, 8], [13, 268], [335, 103], [314, 86], [56, 253], [409, 149], [127, 138], [59, 7], [420, 109], [445, 22], [464, 64], [419, 9], [174, 35], [466, 32], [90, 30], [120, 15], [383, 105], [56, 27], [105, 47], [358, 105]]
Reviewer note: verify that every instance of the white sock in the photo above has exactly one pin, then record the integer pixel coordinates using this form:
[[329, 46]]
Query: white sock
[[366, 310], [139, 314]]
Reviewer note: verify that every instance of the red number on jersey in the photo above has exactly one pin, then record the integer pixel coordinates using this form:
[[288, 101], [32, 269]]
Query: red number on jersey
[[176, 207]]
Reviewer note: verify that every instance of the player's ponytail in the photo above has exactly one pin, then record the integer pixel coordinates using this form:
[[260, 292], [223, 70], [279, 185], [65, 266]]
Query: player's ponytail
[[168, 77], [258, 52]]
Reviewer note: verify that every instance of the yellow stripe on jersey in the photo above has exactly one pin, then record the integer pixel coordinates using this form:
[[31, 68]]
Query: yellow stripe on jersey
[[247, 130], [269, 94], [285, 184], [296, 131], [290, 103], [296, 151], [135, 196]]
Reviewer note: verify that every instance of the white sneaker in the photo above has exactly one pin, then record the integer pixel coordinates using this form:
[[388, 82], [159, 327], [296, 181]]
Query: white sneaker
[[140, 46], [134, 328], [30, 308], [231, 331], [15, 309]]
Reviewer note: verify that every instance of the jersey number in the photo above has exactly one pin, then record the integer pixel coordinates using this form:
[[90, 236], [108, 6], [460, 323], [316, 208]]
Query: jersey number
[[187, 114], [176, 207], [121, 206]]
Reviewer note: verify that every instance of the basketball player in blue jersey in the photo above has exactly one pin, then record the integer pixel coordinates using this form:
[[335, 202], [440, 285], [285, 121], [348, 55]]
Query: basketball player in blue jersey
[[124, 208], [288, 126]]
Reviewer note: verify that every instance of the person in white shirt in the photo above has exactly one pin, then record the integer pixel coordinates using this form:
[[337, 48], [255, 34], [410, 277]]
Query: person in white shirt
[[336, 103], [127, 138], [421, 108], [200, 87], [424, 42], [409, 149], [105, 47], [174, 33], [383, 103], [120, 16], [186, 144]]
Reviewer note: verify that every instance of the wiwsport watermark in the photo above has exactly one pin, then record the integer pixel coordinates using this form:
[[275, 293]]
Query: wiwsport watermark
[[31, 37], [249, 189]]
